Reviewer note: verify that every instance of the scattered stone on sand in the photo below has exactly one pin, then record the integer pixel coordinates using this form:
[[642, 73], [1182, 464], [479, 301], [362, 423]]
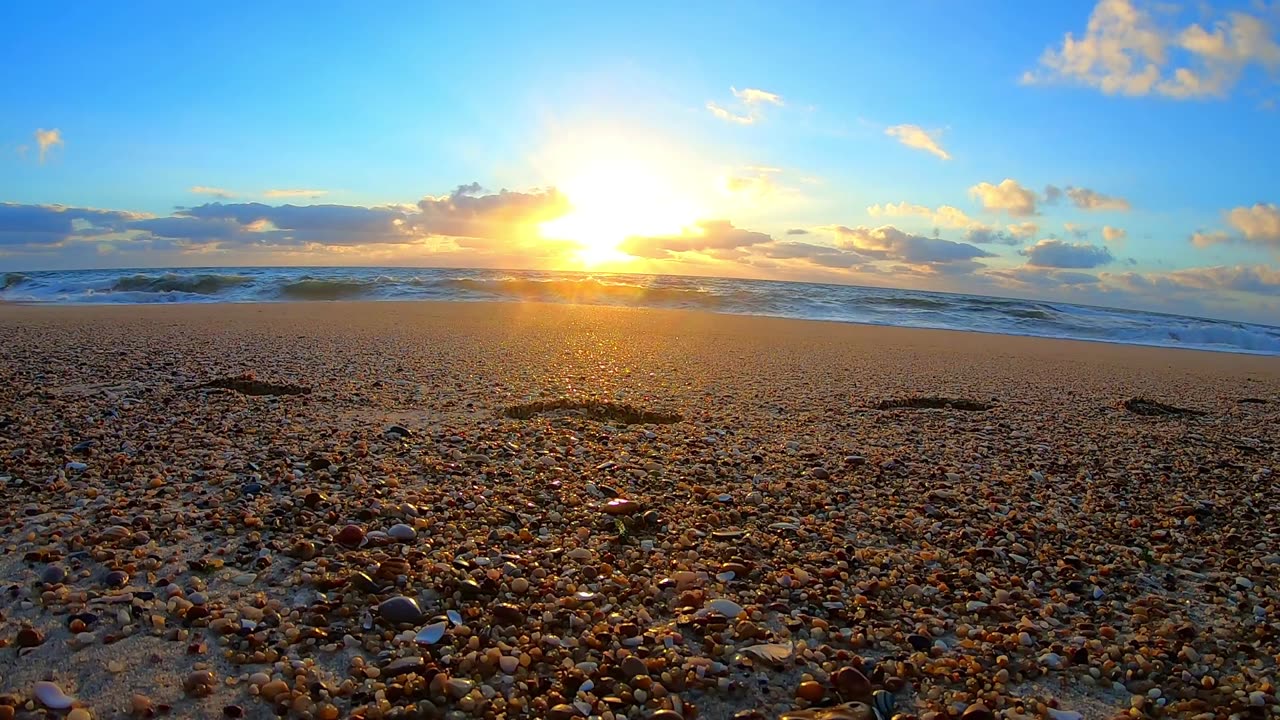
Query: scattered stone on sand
[[778, 550]]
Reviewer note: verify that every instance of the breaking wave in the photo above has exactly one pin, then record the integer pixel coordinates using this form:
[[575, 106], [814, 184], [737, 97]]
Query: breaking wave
[[810, 301], [311, 289], [202, 284]]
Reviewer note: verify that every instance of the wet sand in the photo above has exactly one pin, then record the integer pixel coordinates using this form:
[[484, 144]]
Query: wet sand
[[802, 514]]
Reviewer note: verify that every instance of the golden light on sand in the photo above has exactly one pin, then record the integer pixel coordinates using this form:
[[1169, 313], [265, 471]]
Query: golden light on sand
[[617, 191]]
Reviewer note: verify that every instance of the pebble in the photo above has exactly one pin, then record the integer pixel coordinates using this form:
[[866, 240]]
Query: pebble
[[290, 543], [400, 609], [402, 532]]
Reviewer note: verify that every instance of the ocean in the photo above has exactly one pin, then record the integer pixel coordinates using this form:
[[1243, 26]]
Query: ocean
[[810, 301]]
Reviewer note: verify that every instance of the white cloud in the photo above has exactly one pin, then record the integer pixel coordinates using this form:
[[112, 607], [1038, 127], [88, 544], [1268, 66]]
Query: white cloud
[[1087, 199], [1076, 230], [914, 136], [1260, 224], [1126, 51], [754, 96], [1024, 230], [220, 193], [1008, 196], [732, 117], [1203, 239], [292, 193], [46, 140], [752, 99], [1113, 234], [945, 216]]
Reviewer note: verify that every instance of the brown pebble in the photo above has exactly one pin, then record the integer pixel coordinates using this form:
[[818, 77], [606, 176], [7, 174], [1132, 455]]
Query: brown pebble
[[851, 684], [811, 691], [199, 683], [351, 536], [29, 637]]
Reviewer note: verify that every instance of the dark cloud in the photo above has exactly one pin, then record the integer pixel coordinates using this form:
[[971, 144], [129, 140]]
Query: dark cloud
[[890, 243], [467, 213], [709, 235], [1052, 194], [1059, 254], [797, 231], [823, 255], [1042, 278], [991, 236], [464, 213], [53, 224]]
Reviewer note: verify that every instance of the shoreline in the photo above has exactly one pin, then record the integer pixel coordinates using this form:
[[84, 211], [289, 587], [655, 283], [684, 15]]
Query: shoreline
[[890, 508], [180, 306]]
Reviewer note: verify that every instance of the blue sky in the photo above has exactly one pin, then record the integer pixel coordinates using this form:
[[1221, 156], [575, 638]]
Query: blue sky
[[673, 138]]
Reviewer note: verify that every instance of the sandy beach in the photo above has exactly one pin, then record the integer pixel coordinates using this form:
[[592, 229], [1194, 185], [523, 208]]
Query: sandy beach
[[377, 510]]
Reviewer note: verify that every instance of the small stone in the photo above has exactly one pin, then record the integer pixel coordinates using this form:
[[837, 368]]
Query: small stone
[[53, 575], [350, 536], [404, 666], [563, 712], [633, 666], [508, 614], [508, 663], [919, 643], [199, 683], [811, 691], [728, 608], [520, 586], [400, 609], [233, 711], [851, 684], [79, 714], [273, 690], [29, 637], [402, 532], [459, 687], [116, 579], [140, 704], [819, 473], [622, 506]]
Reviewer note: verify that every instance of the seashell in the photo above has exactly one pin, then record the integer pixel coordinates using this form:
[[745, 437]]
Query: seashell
[[775, 653], [431, 634], [848, 711], [115, 533], [392, 568], [51, 696], [725, 607], [883, 702]]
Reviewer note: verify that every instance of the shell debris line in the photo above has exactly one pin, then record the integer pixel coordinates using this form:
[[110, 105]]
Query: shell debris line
[[731, 528]]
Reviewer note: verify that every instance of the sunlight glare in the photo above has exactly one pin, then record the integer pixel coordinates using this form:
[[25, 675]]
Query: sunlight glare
[[615, 193]]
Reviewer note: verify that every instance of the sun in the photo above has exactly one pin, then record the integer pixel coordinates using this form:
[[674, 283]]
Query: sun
[[615, 191]]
